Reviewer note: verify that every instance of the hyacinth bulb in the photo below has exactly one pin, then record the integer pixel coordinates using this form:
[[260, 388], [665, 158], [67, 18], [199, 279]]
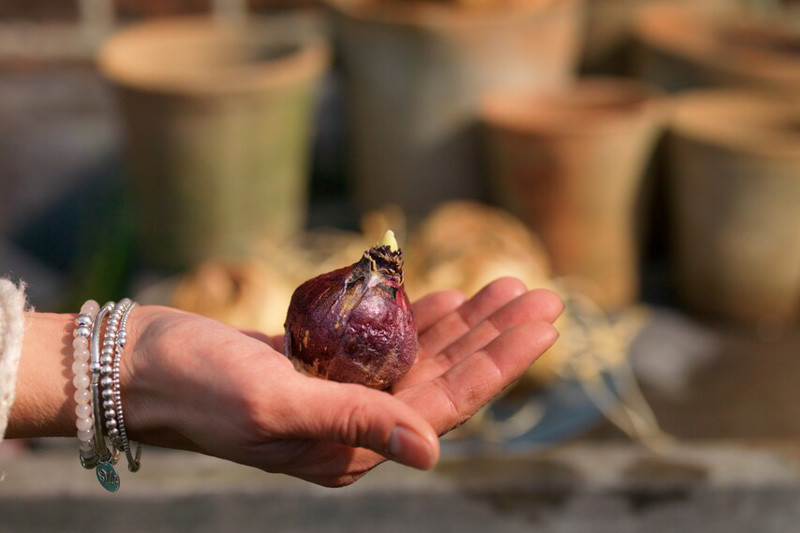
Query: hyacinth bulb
[[355, 324]]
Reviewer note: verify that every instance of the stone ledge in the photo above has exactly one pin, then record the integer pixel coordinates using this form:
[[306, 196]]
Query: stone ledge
[[713, 465], [583, 487]]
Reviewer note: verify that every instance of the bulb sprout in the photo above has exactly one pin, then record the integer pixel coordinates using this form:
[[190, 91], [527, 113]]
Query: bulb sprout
[[390, 241]]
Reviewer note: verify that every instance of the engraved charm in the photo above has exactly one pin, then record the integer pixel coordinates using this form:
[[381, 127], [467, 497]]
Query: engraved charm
[[107, 476]]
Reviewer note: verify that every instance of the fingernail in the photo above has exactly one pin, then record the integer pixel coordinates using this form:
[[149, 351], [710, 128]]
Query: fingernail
[[407, 447], [556, 334]]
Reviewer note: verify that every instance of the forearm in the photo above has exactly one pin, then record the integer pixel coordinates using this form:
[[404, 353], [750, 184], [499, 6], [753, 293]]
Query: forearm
[[44, 404]]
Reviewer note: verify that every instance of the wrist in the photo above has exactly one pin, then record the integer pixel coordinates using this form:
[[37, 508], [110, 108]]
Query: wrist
[[43, 404], [152, 412]]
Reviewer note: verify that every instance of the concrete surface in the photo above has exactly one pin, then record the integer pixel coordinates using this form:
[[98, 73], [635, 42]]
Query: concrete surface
[[581, 487]]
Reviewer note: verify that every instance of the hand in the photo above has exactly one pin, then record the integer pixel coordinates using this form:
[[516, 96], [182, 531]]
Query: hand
[[196, 384]]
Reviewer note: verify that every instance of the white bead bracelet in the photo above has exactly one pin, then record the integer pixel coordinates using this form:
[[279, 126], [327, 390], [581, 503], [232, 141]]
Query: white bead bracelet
[[83, 397]]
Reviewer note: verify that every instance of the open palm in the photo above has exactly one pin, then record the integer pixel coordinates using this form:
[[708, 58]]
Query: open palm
[[239, 398]]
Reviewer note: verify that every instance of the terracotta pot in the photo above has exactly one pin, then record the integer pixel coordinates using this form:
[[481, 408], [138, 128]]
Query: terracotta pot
[[691, 46], [570, 164], [609, 31], [414, 73], [217, 120], [735, 195]]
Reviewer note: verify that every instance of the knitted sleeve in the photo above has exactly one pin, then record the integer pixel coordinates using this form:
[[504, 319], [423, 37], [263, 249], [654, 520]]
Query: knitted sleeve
[[12, 325]]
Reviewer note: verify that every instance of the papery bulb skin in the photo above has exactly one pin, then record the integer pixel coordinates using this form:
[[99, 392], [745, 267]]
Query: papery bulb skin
[[354, 324]]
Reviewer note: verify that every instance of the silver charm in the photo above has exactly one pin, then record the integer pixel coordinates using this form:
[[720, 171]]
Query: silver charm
[[107, 476]]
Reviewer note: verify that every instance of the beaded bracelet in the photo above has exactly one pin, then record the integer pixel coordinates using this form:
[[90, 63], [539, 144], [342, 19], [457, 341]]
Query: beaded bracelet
[[115, 340], [106, 370], [80, 367]]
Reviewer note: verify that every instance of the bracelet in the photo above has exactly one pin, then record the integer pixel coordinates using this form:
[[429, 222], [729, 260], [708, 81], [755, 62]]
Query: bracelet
[[97, 389], [104, 469], [107, 370], [80, 368], [134, 462], [114, 342]]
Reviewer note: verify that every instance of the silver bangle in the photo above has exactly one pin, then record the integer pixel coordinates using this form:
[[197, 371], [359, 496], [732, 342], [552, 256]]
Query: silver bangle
[[104, 469], [122, 441]]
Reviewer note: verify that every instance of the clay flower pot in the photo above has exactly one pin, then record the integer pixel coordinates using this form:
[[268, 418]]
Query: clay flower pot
[[217, 120], [570, 164], [698, 45], [414, 73], [609, 31], [735, 195]]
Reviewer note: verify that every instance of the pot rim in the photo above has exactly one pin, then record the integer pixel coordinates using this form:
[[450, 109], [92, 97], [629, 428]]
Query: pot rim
[[755, 123], [587, 106], [147, 56], [717, 40], [432, 14]]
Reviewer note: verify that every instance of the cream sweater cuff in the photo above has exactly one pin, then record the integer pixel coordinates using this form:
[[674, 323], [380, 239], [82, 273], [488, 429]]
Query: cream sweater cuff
[[12, 326]]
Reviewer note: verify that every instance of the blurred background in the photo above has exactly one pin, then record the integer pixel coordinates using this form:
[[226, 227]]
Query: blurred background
[[640, 157]]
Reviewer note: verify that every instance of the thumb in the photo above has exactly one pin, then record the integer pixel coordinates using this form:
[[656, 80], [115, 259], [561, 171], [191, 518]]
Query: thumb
[[358, 416]]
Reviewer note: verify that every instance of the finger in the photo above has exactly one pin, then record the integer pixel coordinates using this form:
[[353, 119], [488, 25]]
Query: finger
[[453, 397], [534, 306], [357, 416], [452, 326], [433, 307], [539, 305]]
